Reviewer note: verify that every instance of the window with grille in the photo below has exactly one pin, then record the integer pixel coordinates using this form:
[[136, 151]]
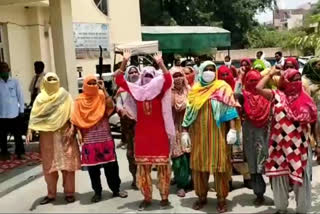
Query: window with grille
[[102, 5]]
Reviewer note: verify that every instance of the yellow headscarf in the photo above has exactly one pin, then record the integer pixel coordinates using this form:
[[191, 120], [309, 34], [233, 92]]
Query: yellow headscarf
[[201, 92], [52, 107]]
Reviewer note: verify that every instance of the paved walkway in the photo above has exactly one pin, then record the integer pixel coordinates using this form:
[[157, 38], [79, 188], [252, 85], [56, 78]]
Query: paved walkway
[[27, 197]]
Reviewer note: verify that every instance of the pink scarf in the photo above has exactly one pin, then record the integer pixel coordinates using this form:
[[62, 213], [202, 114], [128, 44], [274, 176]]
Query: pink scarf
[[149, 91]]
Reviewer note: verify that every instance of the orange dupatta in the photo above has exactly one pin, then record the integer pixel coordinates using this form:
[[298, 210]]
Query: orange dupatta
[[90, 106]]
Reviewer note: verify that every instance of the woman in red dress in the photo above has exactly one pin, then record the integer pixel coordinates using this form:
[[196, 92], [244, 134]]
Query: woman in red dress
[[154, 128]]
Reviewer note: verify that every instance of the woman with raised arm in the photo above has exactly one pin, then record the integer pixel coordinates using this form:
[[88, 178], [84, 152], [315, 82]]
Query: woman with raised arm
[[59, 151], [154, 127], [91, 118], [255, 129], [289, 161], [190, 74], [128, 120]]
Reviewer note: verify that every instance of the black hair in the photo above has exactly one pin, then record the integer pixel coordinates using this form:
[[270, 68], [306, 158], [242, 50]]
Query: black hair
[[227, 57], [39, 64], [260, 52], [4, 65], [279, 53]]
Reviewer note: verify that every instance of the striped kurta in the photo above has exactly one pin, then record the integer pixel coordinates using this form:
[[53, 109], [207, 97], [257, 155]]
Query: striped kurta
[[209, 152]]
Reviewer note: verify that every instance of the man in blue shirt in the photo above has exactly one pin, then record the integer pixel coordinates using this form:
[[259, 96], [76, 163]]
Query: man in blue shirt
[[11, 112]]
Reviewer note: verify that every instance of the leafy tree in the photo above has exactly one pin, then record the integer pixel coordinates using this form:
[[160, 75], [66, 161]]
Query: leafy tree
[[236, 16], [310, 40], [267, 37]]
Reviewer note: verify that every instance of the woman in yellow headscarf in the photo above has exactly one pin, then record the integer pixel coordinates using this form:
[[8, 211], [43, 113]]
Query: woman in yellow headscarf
[[210, 114], [50, 116]]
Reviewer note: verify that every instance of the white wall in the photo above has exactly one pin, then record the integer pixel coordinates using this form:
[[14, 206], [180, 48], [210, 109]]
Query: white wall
[[85, 11], [251, 53], [295, 21], [20, 56], [26, 41], [19, 48], [29, 34], [123, 28]]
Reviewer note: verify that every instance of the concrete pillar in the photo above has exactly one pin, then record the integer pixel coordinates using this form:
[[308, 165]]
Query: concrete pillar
[[63, 44]]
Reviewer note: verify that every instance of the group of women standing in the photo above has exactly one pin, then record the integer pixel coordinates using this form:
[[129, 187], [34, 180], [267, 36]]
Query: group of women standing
[[64, 125], [170, 116]]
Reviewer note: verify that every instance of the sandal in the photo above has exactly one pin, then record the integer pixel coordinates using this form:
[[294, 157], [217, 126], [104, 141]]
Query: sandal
[[70, 199], [164, 203], [46, 200], [259, 201], [222, 207], [181, 193], [121, 194], [96, 198], [144, 204], [199, 204]]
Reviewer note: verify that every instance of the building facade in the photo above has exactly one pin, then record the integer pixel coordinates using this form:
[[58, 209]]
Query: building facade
[[289, 18], [65, 35]]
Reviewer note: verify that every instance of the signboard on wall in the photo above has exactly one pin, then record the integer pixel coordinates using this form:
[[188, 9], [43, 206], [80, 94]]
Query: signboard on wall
[[87, 39]]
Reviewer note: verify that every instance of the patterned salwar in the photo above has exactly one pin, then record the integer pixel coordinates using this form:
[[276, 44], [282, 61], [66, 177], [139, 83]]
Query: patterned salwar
[[209, 154], [180, 157], [151, 141], [144, 181]]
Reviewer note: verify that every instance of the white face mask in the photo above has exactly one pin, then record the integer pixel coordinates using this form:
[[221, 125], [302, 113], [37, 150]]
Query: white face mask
[[208, 76], [227, 63]]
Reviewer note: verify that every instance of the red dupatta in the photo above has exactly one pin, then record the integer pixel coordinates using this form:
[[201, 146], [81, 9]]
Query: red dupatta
[[225, 73], [256, 107], [298, 104]]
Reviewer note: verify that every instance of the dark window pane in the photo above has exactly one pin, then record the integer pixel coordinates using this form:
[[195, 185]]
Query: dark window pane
[[102, 5], [1, 55]]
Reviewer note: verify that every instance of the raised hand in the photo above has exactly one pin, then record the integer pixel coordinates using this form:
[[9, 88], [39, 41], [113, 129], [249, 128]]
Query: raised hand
[[275, 71], [158, 57], [101, 84], [126, 54]]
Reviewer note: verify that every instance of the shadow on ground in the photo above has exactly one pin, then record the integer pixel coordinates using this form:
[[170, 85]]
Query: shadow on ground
[[135, 204], [83, 198]]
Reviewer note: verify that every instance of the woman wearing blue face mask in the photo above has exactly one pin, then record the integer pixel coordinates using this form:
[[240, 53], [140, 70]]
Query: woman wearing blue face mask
[[210, 113]]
